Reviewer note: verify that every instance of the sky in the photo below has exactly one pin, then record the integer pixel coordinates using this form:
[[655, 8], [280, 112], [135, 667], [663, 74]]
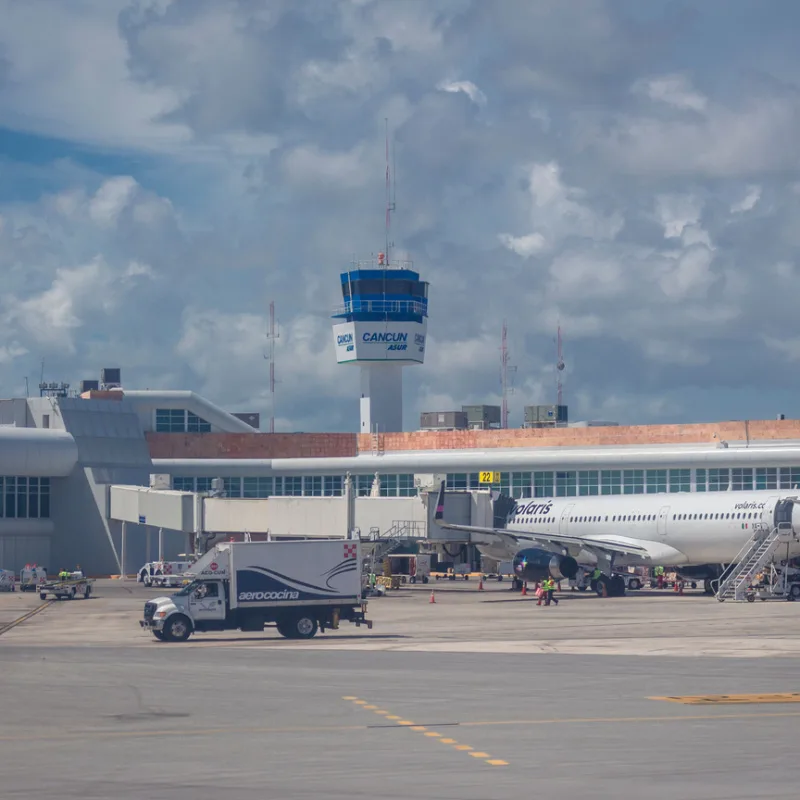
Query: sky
[[628, 170]]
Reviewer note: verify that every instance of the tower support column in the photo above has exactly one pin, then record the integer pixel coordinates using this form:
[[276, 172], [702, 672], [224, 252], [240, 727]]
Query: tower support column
[[381, 398]]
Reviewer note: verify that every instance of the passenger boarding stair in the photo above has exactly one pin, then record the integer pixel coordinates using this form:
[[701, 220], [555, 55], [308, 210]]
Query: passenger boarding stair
[[752, 558], [380, 545]]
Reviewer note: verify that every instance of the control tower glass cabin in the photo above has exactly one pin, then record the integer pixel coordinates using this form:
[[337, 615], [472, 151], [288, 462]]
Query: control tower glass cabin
[[381, 328]]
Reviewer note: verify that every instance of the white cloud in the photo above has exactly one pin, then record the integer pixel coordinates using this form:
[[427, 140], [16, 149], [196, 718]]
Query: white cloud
[[629, 224], [674, 90], [53, 316], [749, 201], [467, 87], [556, 213], [676, 212]]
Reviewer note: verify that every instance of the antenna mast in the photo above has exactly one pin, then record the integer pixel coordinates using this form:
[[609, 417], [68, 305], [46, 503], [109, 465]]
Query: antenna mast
[[507, 373], [559, 368], [272, 335], [390, 203]]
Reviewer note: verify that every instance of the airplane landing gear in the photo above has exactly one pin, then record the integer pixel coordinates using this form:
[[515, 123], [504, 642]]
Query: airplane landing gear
[[609, 587]]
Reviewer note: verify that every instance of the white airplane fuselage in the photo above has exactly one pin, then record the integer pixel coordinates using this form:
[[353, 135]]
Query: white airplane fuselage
[[676, 529]]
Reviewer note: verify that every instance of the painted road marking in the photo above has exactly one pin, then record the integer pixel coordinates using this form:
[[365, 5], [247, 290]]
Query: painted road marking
[[76, 733], [409, 725], [731, 699]]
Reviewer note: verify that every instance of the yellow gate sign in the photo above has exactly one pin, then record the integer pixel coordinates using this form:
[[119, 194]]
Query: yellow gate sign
[[488, 477]]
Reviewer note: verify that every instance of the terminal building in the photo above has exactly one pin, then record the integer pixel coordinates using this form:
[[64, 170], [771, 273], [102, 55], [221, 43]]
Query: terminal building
[[91, 479]]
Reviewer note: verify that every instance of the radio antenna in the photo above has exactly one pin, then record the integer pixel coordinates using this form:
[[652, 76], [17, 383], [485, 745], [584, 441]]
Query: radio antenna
[[390, 205]]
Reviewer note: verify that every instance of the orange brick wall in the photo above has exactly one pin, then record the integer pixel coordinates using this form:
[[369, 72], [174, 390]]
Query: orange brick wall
[[251, 445], [330, 445]]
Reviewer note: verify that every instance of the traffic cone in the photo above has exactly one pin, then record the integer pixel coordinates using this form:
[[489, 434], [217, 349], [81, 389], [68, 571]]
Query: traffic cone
[[524, 589], [433, 597], [480, 584]]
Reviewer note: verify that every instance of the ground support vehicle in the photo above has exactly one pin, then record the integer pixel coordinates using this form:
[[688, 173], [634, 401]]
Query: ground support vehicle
[[165, 573], [8, 581], [31, 577], [301, 587], [76, 586], [780, 583]]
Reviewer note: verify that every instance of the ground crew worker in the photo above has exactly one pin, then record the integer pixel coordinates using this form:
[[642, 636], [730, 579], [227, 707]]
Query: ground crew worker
[[63, 575], [372, 580], [660, 576], [596, 573], [551, 587]]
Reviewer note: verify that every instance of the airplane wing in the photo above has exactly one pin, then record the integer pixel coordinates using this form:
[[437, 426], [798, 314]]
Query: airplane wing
[[617, 544]]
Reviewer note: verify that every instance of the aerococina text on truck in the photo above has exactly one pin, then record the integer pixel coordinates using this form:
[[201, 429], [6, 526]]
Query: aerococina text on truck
[[299, 586]]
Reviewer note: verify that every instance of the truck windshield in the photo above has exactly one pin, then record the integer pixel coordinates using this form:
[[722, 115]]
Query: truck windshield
[[188, 589]]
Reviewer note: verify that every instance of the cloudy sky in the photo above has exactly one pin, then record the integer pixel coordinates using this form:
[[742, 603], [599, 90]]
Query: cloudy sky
[[630, 169]]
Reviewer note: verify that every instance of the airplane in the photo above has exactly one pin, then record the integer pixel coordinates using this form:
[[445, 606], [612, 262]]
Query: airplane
[[697, 533]]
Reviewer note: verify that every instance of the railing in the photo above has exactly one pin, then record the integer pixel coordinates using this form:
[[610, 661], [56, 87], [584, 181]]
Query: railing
[[382, 307], [376, 263]]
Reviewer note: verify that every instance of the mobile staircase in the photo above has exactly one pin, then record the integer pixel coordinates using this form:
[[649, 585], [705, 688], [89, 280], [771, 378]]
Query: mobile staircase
[[380, 545], [752, 558]]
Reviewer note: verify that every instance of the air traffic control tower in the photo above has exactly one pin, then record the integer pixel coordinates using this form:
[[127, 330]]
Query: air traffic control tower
[[381, 328]]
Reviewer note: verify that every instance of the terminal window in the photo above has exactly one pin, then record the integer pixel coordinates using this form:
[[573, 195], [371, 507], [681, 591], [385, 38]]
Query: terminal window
[[179, 420], [766, 477], [543, 484], [232, 487], [388, 485], [333, 485], [741, 479], [611, 481], [521, 484], [364, 485], [24, 498], [588, 482], [566, 484], [790, 477], [312, 485], [680, 480], [183, 484], [405, 485], [256, 487], [656, 481], [457, 481], [633, 481], [293, 486]]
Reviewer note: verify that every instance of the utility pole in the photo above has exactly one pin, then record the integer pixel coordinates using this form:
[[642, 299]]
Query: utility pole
[[272, 335], [507, 373]]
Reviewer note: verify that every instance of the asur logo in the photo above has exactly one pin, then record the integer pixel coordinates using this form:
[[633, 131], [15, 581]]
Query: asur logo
[[214, 566]]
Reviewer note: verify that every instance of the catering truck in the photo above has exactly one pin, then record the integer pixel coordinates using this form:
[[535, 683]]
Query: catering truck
[[299, 586]]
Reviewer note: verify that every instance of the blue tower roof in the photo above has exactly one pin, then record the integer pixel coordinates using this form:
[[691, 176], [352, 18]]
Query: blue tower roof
[[379, 293]]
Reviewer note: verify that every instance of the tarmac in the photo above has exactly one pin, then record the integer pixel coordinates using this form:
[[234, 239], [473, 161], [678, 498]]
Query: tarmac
[[478, 695]]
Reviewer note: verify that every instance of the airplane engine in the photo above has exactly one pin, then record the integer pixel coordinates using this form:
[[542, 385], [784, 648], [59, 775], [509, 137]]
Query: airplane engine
[[535, 565]]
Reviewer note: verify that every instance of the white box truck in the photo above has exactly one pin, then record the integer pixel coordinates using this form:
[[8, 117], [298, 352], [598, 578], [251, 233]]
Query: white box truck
[[299, 586]]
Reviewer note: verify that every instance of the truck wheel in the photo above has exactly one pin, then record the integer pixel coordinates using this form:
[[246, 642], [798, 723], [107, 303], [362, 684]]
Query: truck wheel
[[794, 591], [177, 629], [303, 627], [43, 595], [634, 584], [425, 579]]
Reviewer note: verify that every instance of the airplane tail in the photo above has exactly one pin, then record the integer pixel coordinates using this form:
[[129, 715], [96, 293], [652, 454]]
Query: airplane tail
[[439, 515]]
